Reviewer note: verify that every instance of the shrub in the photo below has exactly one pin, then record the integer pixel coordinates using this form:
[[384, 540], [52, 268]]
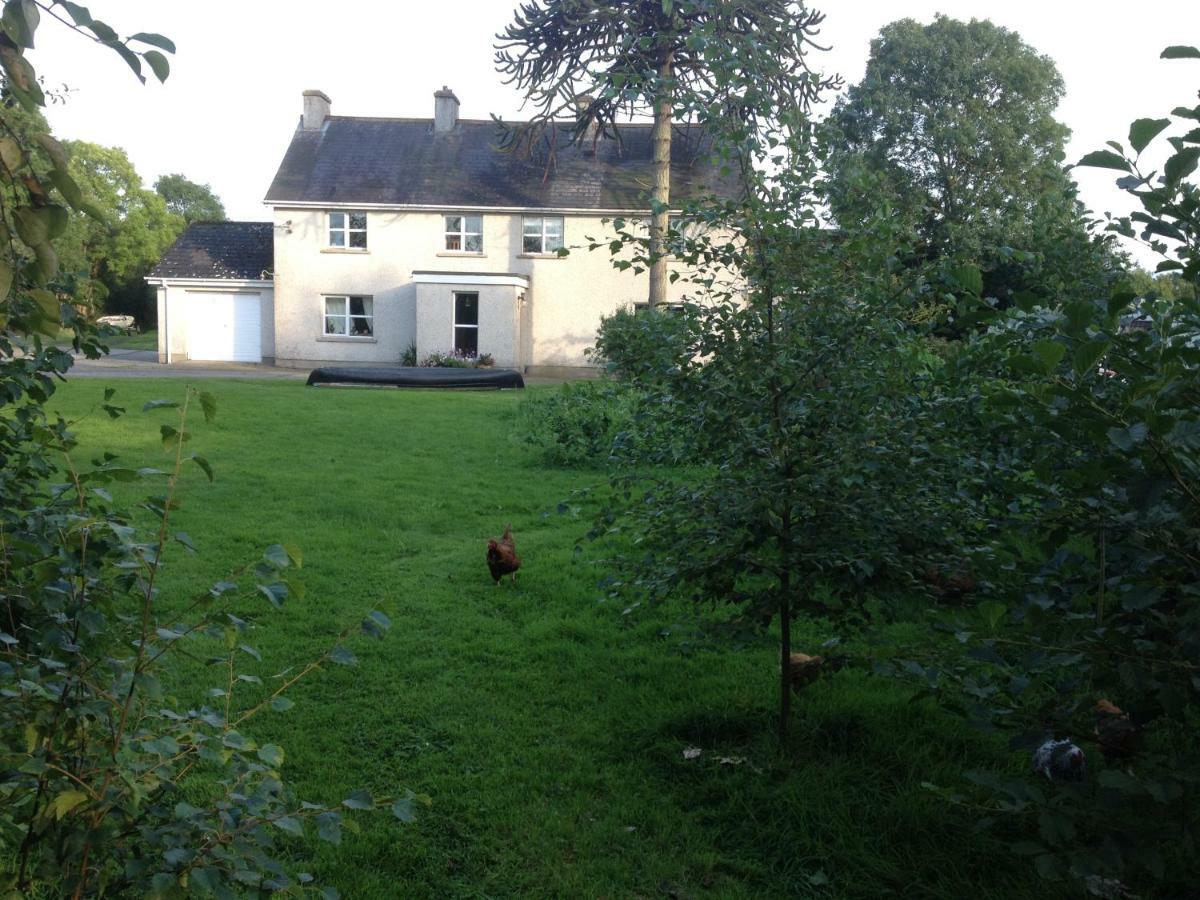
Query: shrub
[[580, 424], [452, 359], [410, 355], [642, 344]]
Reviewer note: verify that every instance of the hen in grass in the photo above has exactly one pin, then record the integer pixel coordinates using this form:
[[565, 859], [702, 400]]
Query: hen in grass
[[502, 556]]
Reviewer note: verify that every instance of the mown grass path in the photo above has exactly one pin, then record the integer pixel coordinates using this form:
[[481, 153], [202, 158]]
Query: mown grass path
[[547, 726]]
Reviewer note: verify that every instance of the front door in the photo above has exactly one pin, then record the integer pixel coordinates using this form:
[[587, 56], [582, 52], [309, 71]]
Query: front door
[[466, 324]]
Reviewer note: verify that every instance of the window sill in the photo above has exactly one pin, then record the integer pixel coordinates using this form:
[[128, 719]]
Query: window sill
[[468, 253], [539, 256], [348, 339], [354, 251]]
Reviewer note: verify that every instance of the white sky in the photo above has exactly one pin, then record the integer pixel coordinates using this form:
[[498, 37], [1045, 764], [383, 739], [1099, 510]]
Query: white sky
[[227, 112]]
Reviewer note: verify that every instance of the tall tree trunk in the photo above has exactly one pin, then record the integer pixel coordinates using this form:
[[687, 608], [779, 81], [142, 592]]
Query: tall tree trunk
[[785, 657], [660, 220]]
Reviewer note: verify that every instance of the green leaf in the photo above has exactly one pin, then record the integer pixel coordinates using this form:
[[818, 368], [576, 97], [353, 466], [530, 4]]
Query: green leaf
[[969, 278], [277, 556], [329, 827], [343, 657], [1104, 159], [295, 554], [154, 40], [10, 154], [6, 277], [281, 704], [403, 810], [46, 301], [1119, 299], [67, 187], [79, 14], [203, 464], [376, 624], [250, 651], [1143, 131], [208, 403], [158, 64], [185, 539], [1128, 438], [1180, 51], [236, 741], [171, 437], [1088, 355], [290, 824], [160, 404], [1181, 165], [63, 803], [271, 754], [1050, 353], [359, 800], [276, 593], [992, 612]]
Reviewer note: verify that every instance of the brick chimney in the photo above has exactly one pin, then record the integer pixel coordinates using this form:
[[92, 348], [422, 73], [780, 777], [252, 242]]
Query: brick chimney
[[588, 138], [445, 111], [316, 110]]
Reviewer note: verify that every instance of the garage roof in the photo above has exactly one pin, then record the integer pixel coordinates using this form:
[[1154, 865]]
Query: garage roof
[[225, 250]]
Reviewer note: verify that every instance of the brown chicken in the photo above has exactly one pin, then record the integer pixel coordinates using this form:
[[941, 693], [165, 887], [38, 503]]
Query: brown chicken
[[1115, 731], [502, 556], [804, 670]]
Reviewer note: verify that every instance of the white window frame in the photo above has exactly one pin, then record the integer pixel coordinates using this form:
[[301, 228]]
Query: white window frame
[[455, 324], [542, 235], [347, 317], [346, 229], [462, 233]]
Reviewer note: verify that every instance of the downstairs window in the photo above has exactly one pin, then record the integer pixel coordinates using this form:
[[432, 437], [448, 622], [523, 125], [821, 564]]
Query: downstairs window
[[350, 316]]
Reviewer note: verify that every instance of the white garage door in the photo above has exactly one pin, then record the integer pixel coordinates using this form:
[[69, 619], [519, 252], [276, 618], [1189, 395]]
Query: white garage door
[[224, 327]]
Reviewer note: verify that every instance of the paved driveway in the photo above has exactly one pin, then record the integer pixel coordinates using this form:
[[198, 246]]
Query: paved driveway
[[145, 364]]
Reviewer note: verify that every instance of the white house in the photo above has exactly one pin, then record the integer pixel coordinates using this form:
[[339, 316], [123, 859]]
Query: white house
[[392, 233]]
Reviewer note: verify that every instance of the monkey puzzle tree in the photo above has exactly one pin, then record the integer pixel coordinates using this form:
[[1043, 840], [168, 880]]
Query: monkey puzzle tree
[[661, 56]]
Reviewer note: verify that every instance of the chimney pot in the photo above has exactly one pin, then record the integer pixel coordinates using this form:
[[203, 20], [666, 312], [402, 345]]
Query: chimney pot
[[316, 110], [445, 111]]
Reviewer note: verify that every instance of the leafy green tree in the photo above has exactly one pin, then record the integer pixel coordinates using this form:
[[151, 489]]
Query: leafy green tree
[[956, 121], [195, 202], [1086, 424], [130, 229], [637, 56], [93, 752]]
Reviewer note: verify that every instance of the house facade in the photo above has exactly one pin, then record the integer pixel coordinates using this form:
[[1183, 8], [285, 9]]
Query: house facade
[[393, 234]]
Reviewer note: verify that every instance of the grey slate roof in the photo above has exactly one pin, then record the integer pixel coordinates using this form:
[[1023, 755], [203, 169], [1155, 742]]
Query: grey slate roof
[[220, 250], [402, 162]]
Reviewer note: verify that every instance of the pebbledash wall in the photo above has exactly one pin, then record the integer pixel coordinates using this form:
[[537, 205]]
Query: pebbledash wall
[[536, 312]]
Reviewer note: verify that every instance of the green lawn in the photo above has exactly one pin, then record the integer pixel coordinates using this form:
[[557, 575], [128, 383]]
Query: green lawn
[[142, 340], [547, 727]]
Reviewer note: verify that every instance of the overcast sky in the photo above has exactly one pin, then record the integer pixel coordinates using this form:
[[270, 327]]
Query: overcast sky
[[227, 112]]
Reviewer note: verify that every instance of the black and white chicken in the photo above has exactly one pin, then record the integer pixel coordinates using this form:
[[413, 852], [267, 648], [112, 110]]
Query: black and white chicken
[[1059, 761]]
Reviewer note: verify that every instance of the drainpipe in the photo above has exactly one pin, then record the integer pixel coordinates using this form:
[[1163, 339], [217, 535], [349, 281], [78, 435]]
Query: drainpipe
[[166, 322]]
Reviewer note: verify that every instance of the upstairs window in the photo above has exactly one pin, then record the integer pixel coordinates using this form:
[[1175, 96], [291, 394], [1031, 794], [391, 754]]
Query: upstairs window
[[350, 316], [464, 234], [348, 230], [542, 234]]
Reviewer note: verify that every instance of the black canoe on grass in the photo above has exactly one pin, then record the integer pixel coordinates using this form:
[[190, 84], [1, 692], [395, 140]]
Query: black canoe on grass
[[420, 377]]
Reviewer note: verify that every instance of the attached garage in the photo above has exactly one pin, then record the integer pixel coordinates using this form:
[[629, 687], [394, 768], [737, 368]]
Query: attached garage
[[224, 326], [216, 294]]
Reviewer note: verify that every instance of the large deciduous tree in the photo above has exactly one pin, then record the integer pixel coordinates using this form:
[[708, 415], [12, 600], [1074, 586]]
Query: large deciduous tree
[[114, 252], [195, 202], [955, 121], [656, 56]]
